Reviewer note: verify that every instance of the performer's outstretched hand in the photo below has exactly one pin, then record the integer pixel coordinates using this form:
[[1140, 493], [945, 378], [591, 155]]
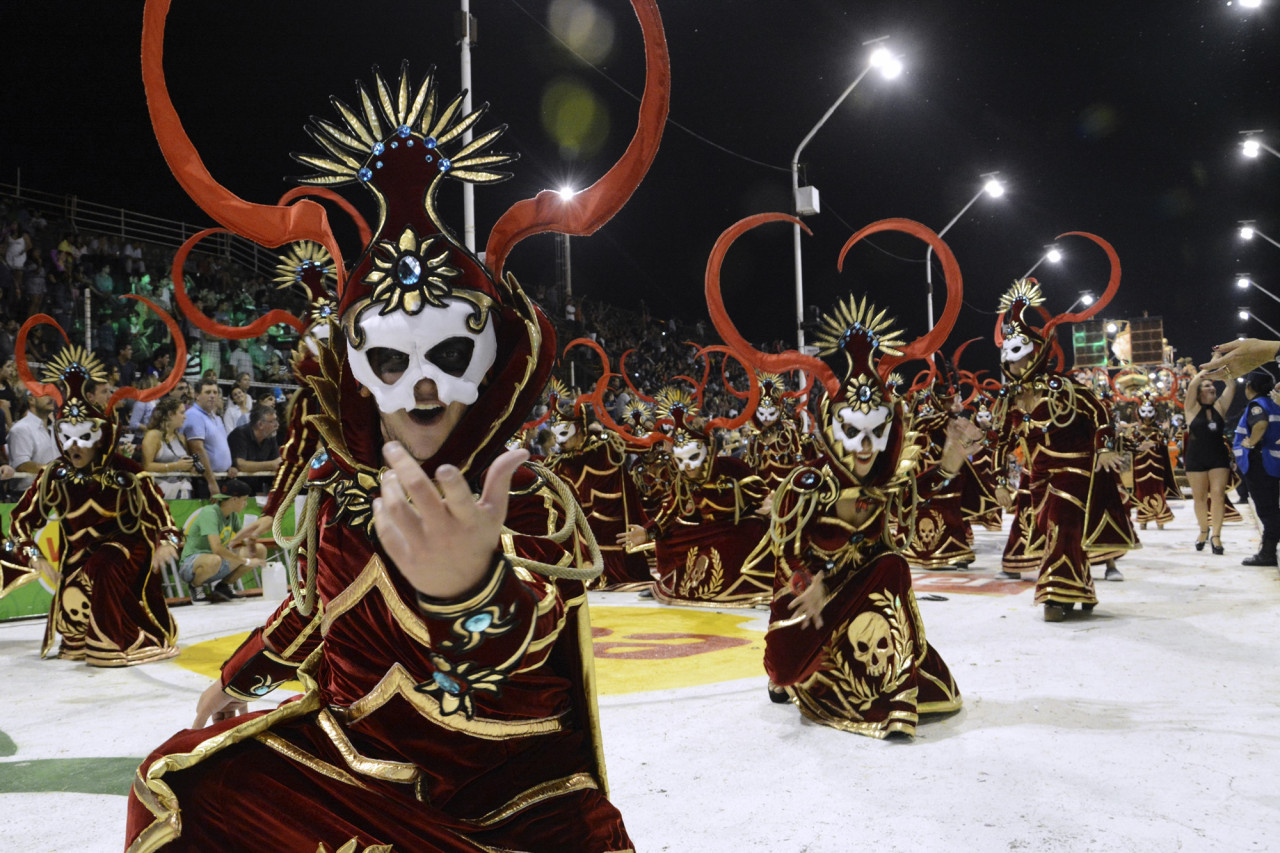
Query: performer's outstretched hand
[[1236, 358], [215, 705], [808, 602], [439, 536], [634, 537], [1109, 460], [45, 568], [166, 554], [256, 529]]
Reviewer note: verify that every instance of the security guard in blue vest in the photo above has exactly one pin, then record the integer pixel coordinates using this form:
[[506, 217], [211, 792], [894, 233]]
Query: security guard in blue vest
[[1257, 452]]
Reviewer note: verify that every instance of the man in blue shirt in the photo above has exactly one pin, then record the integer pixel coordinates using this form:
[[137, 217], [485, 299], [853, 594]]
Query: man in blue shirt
[[207, 439], [1257, 451]]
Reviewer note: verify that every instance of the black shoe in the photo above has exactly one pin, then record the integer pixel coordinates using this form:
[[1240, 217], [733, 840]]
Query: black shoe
[[215, 595], [226, 589], [1260, 559], [1204, 537], [777, 695], [1009, 576], [1215, 545]]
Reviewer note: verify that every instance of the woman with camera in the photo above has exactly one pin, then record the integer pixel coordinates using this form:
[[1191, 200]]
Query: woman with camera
[[164, 451]]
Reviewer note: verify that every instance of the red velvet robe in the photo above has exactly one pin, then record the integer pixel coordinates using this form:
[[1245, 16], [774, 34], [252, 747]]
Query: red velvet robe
[[426, 725], [774, 451], [940, 536], [1152, 475], [1076, 512], [109, 607], [869, 669], [712, 546], [596, 472]]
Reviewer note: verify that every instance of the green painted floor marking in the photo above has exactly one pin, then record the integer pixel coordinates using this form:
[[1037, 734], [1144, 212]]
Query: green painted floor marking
[[68, 775]]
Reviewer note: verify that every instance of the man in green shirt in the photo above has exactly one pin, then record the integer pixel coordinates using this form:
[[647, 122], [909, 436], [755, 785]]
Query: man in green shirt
[[206, 558]]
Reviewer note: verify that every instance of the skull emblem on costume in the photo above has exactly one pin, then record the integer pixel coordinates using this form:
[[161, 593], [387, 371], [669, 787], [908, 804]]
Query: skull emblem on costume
[[1146, 411], [869, 635], [930, 531], [1016, 347], [75, 610], [400, 350], [690, 455]]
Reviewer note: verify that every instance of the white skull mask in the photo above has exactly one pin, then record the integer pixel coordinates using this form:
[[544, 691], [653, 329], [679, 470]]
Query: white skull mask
[[1016, 347], [862, 432], [767, 414], [983, 418], [434, 344], [564, 431], [84, 434], [1146, 411], [690, 455]]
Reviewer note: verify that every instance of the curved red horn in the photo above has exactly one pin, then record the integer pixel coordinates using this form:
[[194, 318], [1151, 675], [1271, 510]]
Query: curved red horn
[[622, 367], [602, 383], [362, 226], [265, 224], [1113, 283], [179, 360], [728, 386], [207, 324], [40, 389], [933, 339], [593, 207], [955, 356], [779, 362], [803, 392], [753, 393]]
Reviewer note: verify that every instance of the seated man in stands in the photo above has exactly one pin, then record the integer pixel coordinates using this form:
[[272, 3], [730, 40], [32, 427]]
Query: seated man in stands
[[255, 450], [206, 559]]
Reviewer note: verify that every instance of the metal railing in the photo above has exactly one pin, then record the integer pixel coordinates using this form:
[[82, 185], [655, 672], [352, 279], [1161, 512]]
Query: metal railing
[[103, 219]]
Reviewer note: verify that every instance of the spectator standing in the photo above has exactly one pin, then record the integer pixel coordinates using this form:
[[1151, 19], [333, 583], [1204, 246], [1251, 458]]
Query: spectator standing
[[255, 450], [207, 439], [241, 362], [124, 358], [1257, 452], [31, 444], [17, 247], [140, 414]]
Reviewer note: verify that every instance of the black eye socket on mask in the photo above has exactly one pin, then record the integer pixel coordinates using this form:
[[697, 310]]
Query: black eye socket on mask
[[452, 355], [387, 364]]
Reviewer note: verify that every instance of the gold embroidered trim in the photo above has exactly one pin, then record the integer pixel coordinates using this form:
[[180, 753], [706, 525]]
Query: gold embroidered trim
[[306, 759], [398, 682], [388, 771], [536, 794]]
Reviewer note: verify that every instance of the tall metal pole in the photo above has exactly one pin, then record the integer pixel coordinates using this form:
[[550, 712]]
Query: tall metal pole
[[465, 40], [795, 188], [928, 255]]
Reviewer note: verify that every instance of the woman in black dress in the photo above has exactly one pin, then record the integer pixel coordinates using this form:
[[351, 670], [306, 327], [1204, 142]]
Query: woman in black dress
[[1208, 461]]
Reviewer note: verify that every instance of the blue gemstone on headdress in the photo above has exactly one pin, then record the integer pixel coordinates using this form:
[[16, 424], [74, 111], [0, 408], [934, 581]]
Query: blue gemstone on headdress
[[402, 131], [478, 623], [429, 158], [864, 393], [395, 145], [430, 142], [409, 270], [378, 165], [447, 684], [409, 143], [378, 148], [445, 165], [364, 174], [320, 458]]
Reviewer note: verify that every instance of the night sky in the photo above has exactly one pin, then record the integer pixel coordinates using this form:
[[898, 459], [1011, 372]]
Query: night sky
[[1120, 119]]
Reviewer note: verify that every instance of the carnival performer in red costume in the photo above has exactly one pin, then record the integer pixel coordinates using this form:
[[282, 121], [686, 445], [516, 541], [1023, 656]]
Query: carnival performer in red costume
[[983, 461], [1069, 446], [442, 641], [593, 464], [777, 443], [711, 533], [114, 531], [1152, 467], [846, 643]]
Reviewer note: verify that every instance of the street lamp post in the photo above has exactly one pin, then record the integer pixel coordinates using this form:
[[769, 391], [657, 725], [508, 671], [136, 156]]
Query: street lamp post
[[1052, 254], [566, 193], [1248, 231], [1252, 145], [1246, 314], [992, 187], [805, 199], [466, 32], [1085, 298], [1243, 282]]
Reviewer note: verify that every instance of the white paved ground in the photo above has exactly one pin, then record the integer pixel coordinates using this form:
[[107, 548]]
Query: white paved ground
[[1152, 726]]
